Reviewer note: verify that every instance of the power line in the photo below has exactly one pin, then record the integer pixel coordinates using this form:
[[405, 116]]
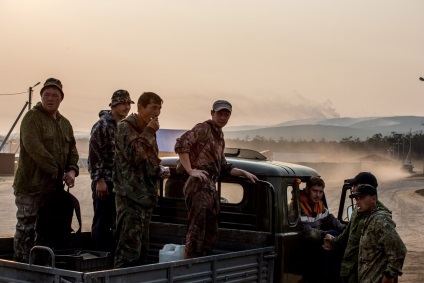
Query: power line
[[13, 93]]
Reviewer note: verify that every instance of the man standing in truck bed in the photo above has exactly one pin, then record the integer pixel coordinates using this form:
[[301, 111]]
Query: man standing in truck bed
[[201, 153], [100, 165], [47, 147], [136, 174]]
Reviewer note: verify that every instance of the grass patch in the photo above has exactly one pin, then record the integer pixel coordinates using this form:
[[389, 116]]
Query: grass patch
[[420, 192]]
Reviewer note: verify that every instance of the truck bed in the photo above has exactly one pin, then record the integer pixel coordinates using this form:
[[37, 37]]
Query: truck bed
[[241, 256]]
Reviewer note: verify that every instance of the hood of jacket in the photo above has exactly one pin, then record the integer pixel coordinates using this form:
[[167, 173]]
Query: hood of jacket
[[105, 114], [133, 121], [40, 108]]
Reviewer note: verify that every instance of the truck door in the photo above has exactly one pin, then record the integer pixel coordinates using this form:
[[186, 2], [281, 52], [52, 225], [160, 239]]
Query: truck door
[[289, 234], [346, 205], [247, 206]]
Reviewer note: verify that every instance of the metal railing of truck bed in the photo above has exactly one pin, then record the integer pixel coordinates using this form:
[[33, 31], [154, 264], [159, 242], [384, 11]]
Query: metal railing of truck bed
[[254, 265]]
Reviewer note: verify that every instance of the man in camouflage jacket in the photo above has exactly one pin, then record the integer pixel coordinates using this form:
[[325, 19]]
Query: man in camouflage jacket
[[135, 177], [47, 146], [349, 238], [381, 250], [201, 153], [101, 155]]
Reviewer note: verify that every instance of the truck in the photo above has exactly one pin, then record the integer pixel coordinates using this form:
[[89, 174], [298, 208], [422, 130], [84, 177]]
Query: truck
[[260, 233]]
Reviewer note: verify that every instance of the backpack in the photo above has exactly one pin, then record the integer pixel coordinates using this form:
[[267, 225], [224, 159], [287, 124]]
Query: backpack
[[54, 218]]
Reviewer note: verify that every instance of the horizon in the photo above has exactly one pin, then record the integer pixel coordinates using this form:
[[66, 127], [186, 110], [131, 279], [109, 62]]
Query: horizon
[[230, 130]]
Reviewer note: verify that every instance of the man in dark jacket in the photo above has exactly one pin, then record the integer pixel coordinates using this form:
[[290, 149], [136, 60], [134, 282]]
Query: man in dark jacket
[[47, 147], [136, 176], [317, 222], [100, 165]]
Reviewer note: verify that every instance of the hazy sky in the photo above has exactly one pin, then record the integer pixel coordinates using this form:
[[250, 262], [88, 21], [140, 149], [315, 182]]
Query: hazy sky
[[274, 60]]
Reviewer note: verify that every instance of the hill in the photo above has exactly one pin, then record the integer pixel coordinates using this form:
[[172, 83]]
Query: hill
[[333, 129]]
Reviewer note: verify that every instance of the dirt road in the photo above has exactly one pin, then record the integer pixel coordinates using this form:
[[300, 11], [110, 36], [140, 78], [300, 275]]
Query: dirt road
[[401, 195]]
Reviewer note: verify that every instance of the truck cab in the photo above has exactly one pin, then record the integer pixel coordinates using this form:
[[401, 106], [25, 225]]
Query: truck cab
[[270, 206]]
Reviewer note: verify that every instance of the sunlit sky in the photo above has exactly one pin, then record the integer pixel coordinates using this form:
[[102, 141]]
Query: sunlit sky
[[274, 60]]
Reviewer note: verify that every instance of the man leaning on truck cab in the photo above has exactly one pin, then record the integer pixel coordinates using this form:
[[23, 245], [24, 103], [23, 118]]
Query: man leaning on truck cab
[[201, 153], [320, 265]]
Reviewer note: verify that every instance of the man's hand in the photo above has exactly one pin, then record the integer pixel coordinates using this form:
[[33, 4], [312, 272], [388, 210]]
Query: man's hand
[[240, 172], [101, 189], [165, 172], [154, 123], [252, 178], [201, 174], [327, 242], [69, 178]]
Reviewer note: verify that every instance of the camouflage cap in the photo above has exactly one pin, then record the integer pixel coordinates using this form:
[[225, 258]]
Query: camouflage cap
[[52, 82], [121, 96]]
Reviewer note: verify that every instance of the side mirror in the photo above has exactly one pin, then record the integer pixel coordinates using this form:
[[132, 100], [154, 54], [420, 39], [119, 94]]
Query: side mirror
[[350, 209]]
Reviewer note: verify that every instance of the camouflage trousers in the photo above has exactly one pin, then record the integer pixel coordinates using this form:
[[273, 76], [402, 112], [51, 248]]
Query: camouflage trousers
[[26, 215], [132, 232], [202, 200]]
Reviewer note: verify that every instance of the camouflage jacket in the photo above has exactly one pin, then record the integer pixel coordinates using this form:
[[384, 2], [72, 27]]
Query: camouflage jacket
[[205, 145], [349, 238], [381, 250], [101, 150], [136, 167], [46, 143]]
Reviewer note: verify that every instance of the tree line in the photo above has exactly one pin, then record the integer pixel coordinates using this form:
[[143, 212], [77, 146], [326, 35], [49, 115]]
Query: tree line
[[396, 146]]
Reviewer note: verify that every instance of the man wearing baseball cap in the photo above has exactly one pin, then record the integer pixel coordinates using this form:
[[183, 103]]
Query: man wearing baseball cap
[[381, 250], [100, 165], [352, 233], [201, 153], [47, 147]]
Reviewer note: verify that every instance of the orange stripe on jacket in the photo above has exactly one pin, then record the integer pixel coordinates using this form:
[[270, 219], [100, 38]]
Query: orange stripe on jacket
[[304, 204]]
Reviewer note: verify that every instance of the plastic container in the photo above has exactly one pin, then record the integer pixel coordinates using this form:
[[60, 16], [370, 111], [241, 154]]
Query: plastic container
[[83, 260], [171, 252]]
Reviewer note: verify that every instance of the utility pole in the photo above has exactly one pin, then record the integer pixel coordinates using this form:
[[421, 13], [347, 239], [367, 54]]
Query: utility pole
[[20, 114], [422, 124], [30, 95]]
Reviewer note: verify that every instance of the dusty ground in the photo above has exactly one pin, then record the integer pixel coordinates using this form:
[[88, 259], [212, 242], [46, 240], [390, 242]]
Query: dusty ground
[[404, 195]]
